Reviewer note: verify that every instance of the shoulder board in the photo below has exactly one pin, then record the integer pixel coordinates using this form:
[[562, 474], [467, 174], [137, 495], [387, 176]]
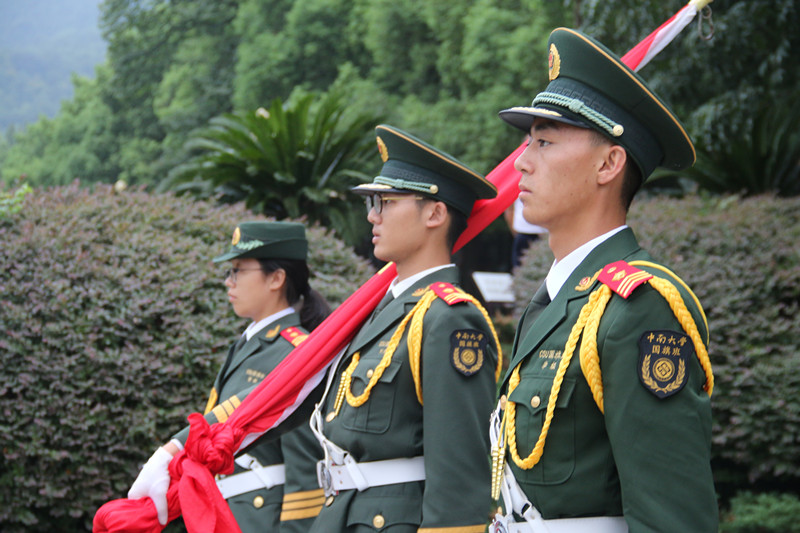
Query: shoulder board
[[294, 335], [622, 278], [450, 293]]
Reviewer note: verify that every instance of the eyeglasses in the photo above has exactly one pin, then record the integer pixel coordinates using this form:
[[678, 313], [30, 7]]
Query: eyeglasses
[[376, 201], [232, 272]]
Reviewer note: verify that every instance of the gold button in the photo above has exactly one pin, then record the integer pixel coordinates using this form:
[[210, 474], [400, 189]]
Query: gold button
[[328, 501], [369, 373], [536, 401], [378, 521], [503, 401], [258, 502], [330, 416]]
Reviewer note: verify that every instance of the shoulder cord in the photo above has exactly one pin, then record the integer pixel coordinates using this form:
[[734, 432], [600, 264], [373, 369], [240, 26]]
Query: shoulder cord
[[589, 320], [414, 342]]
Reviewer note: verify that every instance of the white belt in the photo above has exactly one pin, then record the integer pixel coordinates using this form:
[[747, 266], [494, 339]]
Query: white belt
[[339, 471], [516, 500], [361, 476], [257, 477], [593, 524]]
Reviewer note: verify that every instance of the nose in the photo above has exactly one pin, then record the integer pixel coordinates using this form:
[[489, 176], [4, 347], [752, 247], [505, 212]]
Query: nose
[[229, 282], [523, 161], [373, 217]]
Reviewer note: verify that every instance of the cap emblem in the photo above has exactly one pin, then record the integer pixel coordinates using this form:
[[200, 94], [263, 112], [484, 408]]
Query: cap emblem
[[383, 150], [237, 234], [554, 62]]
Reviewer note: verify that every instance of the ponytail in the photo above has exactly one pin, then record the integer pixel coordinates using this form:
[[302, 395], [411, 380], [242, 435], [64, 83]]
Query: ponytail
[[315, 309]]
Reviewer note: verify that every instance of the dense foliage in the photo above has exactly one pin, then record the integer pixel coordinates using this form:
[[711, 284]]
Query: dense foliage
[[113, 324], [441, 70], [742, 259], [288, 160]]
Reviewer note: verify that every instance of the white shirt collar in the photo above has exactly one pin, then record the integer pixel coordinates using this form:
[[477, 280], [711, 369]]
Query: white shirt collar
[[255, 327], [562, 270], [399, 287]]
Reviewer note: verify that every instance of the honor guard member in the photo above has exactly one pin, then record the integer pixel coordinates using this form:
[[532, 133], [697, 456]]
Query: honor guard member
[[604, 422], [403, 422], [274, 484]]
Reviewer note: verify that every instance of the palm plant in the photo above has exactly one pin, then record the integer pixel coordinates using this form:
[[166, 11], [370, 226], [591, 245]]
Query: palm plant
[[765, 159], [291, 160]]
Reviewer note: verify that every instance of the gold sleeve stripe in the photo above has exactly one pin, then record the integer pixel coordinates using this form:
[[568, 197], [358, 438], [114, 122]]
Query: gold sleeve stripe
[[212, 401], [480, 528], [220, 413], [235, 401], [303, 504], [303, 495]]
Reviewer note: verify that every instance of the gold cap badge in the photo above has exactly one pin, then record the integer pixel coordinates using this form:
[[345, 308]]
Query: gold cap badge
[[383, 150], [237, 234], [554, 62]]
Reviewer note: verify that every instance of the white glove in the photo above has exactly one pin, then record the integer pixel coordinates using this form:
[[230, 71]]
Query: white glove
[[153, 481]]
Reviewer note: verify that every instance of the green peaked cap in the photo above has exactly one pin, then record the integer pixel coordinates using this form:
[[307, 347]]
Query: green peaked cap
[[591, 87], [267, 240], [411, 165]]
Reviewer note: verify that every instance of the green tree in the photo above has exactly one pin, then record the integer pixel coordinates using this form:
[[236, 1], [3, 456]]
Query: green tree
[[289, 160]]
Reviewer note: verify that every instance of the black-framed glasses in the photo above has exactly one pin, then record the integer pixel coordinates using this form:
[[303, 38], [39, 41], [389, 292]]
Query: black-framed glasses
[[376, 201], [233, 272]]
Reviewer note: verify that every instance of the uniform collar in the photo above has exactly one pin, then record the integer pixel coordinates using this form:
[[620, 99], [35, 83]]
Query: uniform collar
[[255, 327], [399, 287], [562, 270]]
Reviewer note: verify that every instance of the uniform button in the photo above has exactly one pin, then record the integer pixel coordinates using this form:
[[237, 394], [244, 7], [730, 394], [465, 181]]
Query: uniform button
[[258, 502], [328, 501], [536, 401], [369, 373], [378, 521], [330, 416], [503, 401]]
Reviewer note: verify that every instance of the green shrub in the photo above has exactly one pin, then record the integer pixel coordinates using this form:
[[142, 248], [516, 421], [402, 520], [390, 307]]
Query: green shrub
[[113, 323], [742, 259], [762, 513]]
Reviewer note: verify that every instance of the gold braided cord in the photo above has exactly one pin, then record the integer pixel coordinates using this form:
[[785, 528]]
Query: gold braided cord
[[414, 342], [386, 360], [510, 416], [673, 297], [589, 356], [587, 325], [682, 283]]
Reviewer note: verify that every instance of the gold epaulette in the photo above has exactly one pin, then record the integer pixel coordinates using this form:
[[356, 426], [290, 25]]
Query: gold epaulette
[[622, 278], [450, 293], [294, 335]]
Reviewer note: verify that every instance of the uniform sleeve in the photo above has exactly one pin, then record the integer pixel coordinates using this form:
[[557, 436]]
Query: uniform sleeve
[[661, 446], [303, 497], [457, 400]]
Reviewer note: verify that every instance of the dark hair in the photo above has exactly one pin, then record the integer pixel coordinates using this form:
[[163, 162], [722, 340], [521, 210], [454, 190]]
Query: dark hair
[[632, 175], [458, 223], [315, 309]]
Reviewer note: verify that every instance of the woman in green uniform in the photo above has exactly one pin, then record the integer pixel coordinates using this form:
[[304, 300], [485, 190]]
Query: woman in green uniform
[[274, 485]]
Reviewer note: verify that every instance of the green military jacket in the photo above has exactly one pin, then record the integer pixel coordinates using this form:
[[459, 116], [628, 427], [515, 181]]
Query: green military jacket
[[293, 506], [449, 429], [648, 457]]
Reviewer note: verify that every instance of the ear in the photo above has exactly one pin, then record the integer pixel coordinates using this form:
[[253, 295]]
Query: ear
[[436, 214], [277, 279], [612, 165]]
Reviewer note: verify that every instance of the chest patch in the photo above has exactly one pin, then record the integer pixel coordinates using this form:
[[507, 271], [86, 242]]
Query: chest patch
[[467, 350], [664, 361]]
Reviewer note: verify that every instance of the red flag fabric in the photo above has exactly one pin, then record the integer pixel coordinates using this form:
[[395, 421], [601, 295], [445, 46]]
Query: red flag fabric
[[641, 54]]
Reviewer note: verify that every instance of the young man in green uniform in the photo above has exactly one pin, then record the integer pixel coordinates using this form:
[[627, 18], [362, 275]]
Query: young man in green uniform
[[604, 421], [274, 484], [403, 421]]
